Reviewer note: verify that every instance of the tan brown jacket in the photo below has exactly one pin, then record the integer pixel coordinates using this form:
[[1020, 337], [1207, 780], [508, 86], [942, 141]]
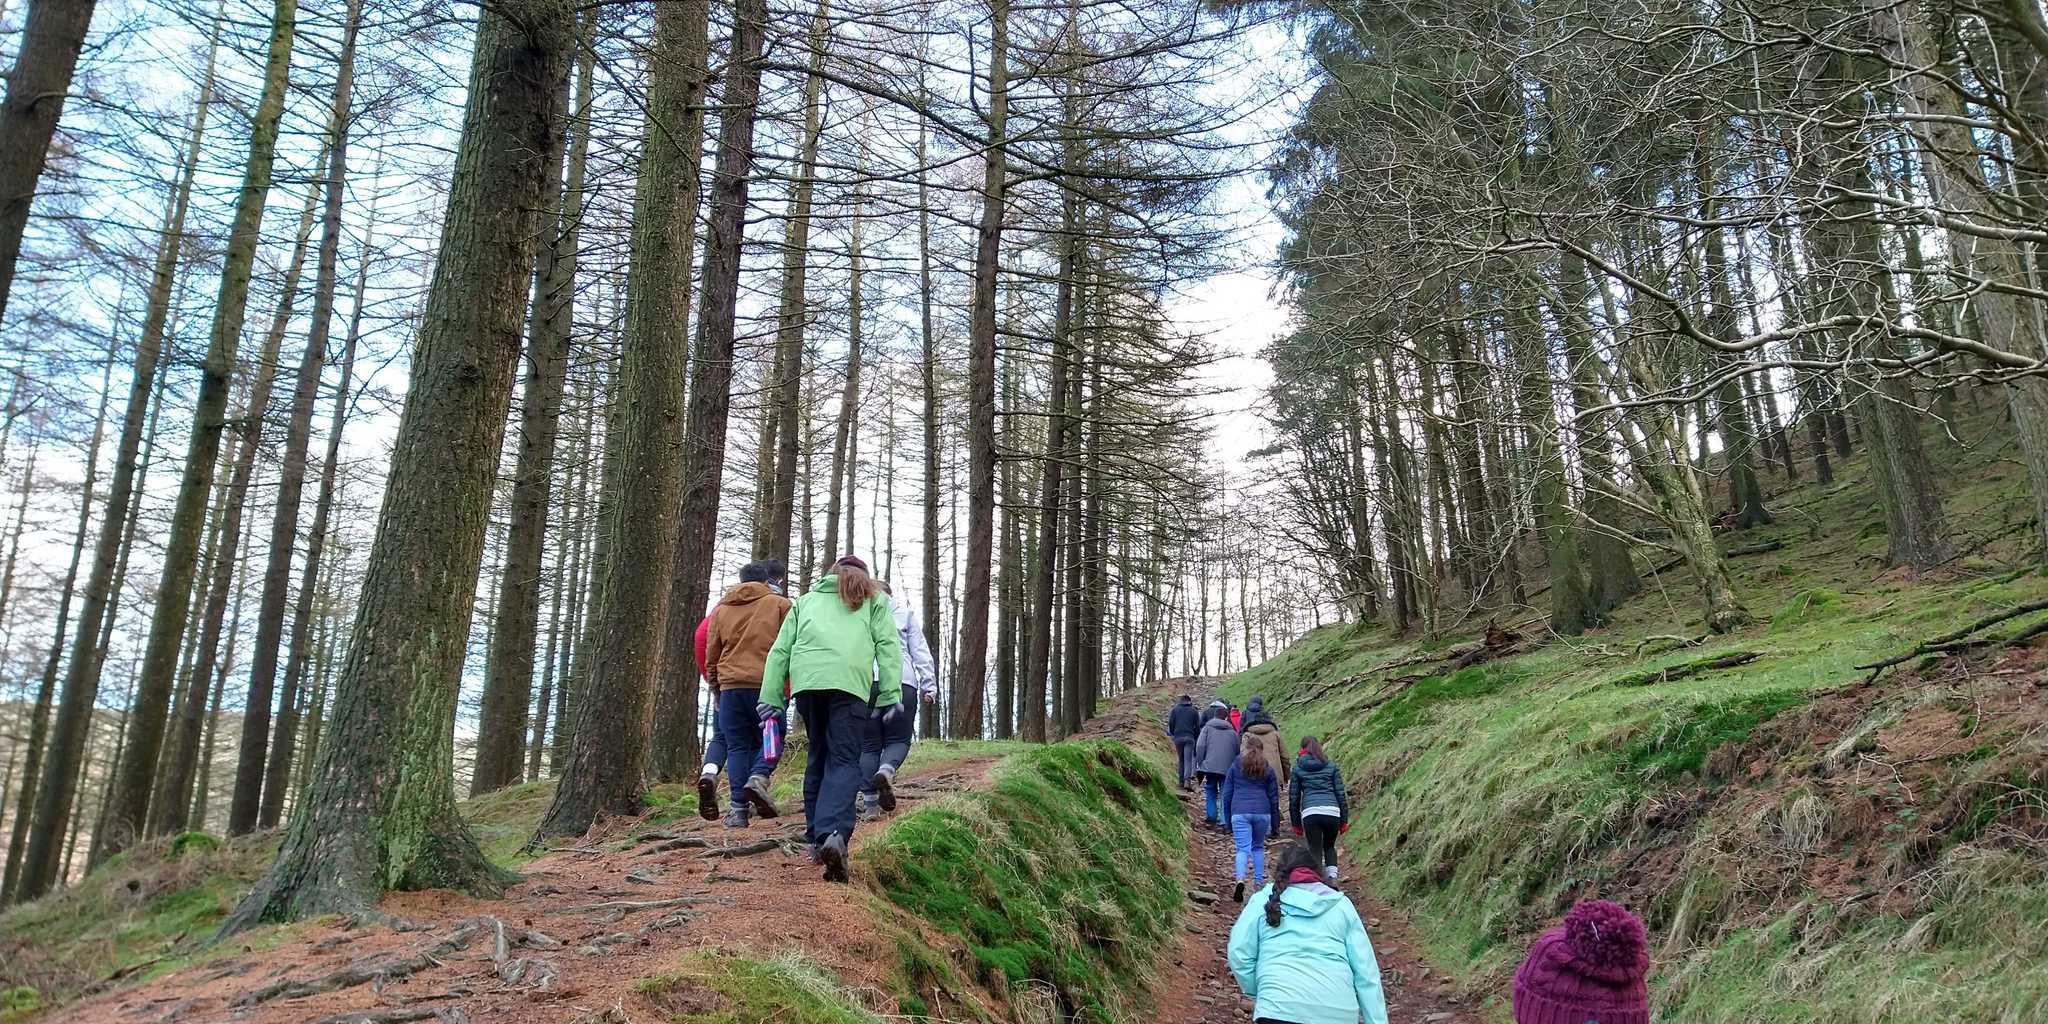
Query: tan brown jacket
[[743, 627], [1267, 737]]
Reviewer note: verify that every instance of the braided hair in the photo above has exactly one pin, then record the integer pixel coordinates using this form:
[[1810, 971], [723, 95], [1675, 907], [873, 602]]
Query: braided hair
[[1296, 855]]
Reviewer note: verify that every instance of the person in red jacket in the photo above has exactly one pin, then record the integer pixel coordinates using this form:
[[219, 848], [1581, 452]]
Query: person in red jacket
[[1236, 718], [714, 752]]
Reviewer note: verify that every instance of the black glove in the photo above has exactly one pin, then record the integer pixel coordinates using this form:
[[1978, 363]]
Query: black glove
[[765, 712], [891, 713]]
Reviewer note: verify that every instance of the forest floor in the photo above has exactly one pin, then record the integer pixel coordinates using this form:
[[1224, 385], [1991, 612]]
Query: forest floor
[[573, 941], [595, 931]]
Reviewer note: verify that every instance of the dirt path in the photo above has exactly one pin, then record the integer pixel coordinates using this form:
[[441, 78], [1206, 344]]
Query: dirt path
[[1200, 989], [566, 944]]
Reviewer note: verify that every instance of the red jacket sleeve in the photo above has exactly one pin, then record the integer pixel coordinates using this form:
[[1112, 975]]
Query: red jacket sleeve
[[703, 639]]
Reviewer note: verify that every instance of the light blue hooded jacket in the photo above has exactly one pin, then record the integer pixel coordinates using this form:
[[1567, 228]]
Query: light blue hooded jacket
[[1317, 967]]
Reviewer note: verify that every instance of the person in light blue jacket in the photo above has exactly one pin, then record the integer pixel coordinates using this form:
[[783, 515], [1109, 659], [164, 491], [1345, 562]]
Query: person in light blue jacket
[[1300, 952]]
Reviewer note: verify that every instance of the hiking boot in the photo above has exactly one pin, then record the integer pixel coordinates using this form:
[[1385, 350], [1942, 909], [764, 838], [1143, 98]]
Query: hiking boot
[[1237, 893], [737, 818], [707, 796], [756, 792], [1330, 873], [863, 808], [833, 853], [885, 787]]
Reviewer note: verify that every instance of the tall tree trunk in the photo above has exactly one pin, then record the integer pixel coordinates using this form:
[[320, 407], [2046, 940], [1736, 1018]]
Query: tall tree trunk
[[792, 312], [130, 805], [174, 784], [508, 676], [1572, 610], [971, 676], [845, 433], [928, 370], [1610, 572], [381, 810], [607, 767], [711, 366], [277, 771], [52, 34]]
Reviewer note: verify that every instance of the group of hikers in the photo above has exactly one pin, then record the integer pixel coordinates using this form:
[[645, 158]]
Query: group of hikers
[[1300, 951], [846, 656]]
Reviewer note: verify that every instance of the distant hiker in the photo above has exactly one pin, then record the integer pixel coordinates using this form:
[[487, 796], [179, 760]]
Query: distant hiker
[[1183, 726], [1301, 954], [1251, 795], [1255, 713], [838, 640], [1215, 749], [1267, 735], [743, 627], [1236, 718], [885, 746], [1592, 968], [1316, 804]]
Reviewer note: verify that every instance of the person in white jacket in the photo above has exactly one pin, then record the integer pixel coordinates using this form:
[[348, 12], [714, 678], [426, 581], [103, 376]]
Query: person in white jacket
[[887, 745]]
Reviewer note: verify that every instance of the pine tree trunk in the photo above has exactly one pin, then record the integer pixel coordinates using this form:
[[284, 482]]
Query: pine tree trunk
[[52, 34], [174, 784], [608, 764], [845, 434], [133, 785], [508, 676], [380, 813], [284, 735], [1572, 610], [928, 369], [1611, 577], [792, 312], [971, 667]]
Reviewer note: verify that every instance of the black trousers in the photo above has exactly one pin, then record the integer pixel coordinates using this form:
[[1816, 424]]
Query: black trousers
[[884, 744], [1320, 830], [834, 722]]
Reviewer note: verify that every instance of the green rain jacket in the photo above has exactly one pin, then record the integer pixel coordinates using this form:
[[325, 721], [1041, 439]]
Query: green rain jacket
[[822, 646]]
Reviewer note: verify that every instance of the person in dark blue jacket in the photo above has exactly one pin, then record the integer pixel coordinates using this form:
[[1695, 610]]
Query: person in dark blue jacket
[[1183, 725], [1251, 793]]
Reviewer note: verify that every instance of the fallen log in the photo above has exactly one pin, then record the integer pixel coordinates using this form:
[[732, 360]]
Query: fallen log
[[1957, 639]]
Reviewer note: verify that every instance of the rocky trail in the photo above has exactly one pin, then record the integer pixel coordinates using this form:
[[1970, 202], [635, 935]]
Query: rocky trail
[[1202, 991], [569, 943]]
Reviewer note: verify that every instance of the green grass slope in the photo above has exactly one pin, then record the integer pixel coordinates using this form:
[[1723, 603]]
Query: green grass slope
[[1805, 845]]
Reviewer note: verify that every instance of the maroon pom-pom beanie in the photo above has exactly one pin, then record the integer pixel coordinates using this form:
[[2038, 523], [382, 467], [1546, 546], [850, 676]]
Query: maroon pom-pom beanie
[[1590, 971]]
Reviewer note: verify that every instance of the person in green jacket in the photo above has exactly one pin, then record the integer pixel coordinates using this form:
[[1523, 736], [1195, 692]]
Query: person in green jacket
[[837, 646], [1301, 954]]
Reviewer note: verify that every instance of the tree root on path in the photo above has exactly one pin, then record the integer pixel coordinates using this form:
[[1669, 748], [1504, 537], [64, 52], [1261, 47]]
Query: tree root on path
[[746, 849], [629, 905], [673, 842], [1959, 639], [525, 972], [398, 1015]]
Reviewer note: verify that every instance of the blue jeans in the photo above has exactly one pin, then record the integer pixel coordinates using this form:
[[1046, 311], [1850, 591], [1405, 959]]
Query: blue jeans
[[1212, 791], [1250, 830], [741, 730]]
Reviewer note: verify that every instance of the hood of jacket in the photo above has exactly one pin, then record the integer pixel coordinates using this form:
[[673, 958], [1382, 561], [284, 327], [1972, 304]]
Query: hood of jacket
[[748, 593], [1220, 725], [1309, 766], [1255, 705], [1261, 729], [1308, 900]]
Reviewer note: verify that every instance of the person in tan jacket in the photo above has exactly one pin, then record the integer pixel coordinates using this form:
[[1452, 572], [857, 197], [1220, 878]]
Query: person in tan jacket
[[742, 628]]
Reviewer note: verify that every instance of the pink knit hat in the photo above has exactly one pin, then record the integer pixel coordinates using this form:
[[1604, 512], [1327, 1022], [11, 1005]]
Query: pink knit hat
[[1590, 971]]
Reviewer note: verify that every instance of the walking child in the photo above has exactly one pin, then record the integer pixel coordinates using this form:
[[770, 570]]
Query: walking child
[[1251, 793], [1317, 806], [1302, 955]]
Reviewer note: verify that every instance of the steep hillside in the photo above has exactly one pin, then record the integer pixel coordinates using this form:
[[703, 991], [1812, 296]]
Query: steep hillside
[[1808, 839]]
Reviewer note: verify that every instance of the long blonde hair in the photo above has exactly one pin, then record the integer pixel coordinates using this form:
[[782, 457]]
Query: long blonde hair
[[856, 587]]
